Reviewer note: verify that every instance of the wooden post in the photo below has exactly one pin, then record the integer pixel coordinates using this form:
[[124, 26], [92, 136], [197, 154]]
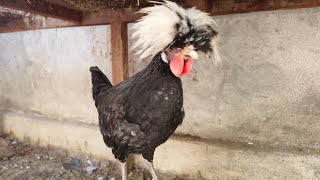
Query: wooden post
[[120, 67], [119, 51]]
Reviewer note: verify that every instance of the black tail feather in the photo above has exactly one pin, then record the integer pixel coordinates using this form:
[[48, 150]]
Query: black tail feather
[[99, 81]]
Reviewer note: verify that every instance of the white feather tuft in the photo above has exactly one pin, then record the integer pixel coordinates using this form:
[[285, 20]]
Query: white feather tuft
[[198, 19], [157, 29], [215, 54]]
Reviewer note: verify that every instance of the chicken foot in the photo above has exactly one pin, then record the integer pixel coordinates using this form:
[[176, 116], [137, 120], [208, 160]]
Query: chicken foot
[[124, 170], [152, 170]]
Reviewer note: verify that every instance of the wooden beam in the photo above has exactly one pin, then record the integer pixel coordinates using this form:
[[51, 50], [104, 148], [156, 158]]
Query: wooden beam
[[203, 5], [89, 19], [222, 7], [101, 5], [7, 17], [119, 51], [217, 7], [31, 23], [43, 8], [109, 16]]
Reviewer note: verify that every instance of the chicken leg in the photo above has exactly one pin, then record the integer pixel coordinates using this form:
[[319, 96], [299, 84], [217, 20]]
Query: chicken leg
[[152, 170], [124, 170]]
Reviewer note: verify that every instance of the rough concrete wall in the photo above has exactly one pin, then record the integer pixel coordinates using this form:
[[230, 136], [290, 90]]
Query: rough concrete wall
[[46, 72], [267, 89]]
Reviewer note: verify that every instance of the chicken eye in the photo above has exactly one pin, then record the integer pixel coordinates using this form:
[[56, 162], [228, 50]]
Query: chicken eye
[[187, 44]]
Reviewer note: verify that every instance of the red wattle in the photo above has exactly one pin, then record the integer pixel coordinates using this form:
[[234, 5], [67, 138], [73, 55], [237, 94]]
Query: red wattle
[[187, 67], [177, 66], [180, 67]]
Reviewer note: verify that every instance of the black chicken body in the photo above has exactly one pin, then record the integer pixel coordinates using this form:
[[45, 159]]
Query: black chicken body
[[141, 113]]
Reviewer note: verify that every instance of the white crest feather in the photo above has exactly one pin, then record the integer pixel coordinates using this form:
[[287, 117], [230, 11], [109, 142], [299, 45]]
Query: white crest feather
[[199, 18], [157, 29]]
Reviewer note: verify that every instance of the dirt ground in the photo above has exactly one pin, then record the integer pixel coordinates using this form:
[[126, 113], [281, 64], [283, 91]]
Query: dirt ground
[[22, 161]]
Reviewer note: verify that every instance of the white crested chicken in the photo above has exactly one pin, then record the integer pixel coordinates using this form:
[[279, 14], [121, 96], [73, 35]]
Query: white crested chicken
[[142, 112]]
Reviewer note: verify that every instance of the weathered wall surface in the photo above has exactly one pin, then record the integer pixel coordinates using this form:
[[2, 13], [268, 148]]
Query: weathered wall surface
[[46, 72], [268, 87], [266, 90]]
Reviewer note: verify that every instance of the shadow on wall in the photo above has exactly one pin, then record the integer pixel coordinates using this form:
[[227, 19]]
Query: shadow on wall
[[3, 103], [1, 123], [4, 106]]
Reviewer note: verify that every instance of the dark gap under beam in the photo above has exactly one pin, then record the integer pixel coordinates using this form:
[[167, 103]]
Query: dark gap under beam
[[43, 8]]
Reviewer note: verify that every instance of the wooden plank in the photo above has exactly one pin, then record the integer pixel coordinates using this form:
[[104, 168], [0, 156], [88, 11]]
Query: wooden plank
[[222, 7], [101, 5], [217, 7], [119, 51], [43, 8], [203, 5], [89, 19], [29, 23], [109, 16], [7, 17]]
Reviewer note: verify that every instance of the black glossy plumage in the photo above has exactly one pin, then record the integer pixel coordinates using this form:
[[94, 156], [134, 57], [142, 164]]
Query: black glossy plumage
[[142, 112]]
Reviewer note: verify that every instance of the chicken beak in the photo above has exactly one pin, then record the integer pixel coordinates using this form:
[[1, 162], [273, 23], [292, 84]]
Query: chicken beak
[[193, 54], [189, 52]]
